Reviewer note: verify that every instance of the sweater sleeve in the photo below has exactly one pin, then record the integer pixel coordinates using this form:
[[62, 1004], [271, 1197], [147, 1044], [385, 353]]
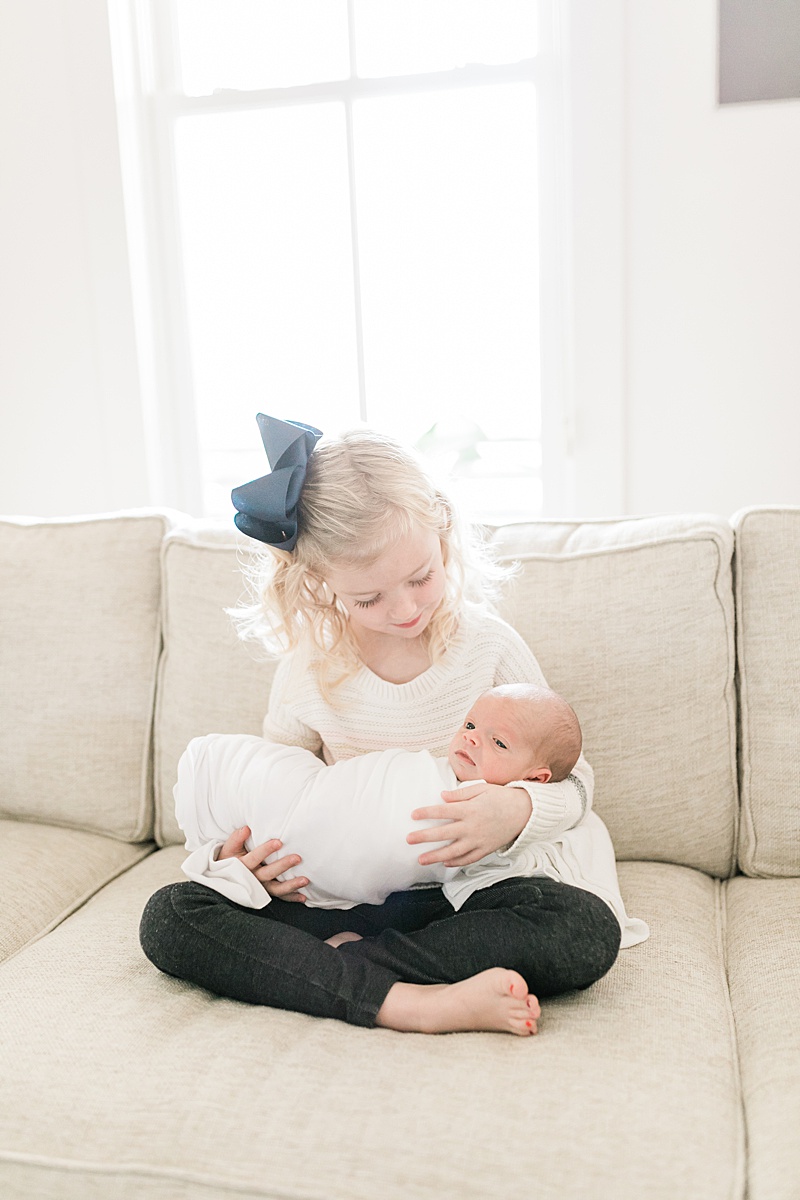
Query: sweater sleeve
[[555, 807], [280, 723]]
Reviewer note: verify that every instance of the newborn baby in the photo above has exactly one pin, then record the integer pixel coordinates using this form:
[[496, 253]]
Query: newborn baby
[[349, 820]]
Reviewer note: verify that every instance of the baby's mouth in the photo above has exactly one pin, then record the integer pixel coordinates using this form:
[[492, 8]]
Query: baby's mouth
[[463, 755]]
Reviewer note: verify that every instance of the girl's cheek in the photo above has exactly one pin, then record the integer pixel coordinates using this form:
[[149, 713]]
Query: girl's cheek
[[434, 586], [437, 588]]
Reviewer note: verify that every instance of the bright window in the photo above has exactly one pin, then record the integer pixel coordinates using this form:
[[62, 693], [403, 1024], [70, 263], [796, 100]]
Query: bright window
[[341, 214]]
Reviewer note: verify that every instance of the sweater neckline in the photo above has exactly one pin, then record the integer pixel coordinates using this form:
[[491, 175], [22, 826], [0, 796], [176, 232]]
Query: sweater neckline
[[426, 681]]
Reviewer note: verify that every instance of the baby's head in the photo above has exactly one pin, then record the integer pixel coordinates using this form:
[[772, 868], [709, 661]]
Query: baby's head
[[517, 731]]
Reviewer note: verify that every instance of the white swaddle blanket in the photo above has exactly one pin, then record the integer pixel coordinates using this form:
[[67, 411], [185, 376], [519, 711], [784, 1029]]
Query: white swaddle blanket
[[349, 822]]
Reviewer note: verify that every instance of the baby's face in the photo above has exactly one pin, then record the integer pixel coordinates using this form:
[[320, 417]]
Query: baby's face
[[494, 743]]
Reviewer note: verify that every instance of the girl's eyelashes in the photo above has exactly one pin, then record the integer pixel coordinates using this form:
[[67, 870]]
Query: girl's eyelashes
[[414, 583]]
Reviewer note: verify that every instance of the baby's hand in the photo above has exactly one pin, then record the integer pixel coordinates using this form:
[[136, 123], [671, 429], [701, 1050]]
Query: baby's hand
[[483, 817], [266, 873]]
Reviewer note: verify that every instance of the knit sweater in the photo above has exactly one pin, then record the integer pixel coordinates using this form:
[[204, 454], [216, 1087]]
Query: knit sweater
[[368, 713]]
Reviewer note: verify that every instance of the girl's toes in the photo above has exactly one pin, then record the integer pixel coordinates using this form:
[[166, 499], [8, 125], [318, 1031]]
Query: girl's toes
[[534, 1007], [516, 986]]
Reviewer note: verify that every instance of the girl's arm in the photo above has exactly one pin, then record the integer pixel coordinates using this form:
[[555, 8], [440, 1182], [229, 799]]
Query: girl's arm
[[487, 818], [280, 723]]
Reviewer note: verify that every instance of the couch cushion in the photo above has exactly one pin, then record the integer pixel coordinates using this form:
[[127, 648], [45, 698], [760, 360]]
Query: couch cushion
[[768, 625], [47, 872], [209, 681], [633, 621], [123, 1081], [763, 941], [80, 639]]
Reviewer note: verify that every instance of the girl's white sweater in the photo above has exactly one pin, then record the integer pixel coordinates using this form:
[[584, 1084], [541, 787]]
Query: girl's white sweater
[[370, 714]]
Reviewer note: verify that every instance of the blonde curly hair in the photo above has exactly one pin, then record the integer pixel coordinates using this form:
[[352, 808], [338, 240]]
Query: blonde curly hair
[[362, 494]]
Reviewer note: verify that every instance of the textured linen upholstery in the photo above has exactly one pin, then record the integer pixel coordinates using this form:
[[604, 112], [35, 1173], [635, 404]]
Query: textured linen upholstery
[[209, 680], [630, 1089], [633, 621], [763, 940], [80, 638], [650, 671], [47, 872], [768, 623]]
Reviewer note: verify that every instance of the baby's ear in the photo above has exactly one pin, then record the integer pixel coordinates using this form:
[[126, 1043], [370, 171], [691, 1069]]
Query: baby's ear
[[543, 775]]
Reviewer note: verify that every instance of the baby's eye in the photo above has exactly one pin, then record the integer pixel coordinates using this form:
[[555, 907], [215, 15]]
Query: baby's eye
[[469, 725], [366, 603], [502, 745], [425, 579]]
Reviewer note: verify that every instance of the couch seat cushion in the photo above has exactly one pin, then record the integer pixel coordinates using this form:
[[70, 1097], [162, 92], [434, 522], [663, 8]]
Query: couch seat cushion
[[121, 1081], [47, 872], [763, 938], [768, 635]]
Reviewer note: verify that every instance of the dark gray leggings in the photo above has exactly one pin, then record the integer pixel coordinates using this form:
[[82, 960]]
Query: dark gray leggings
[[558, 937]]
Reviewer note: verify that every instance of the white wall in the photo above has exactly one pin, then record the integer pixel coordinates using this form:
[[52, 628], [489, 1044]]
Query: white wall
[[70, 418], [702, 302], [685, 270]]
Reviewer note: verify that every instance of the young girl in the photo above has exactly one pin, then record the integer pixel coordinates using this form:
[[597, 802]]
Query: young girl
[[381, 612]]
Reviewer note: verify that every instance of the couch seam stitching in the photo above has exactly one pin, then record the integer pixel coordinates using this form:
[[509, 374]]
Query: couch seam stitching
[[730, 696], [159, 830], [80, 901], [146, 1170], [746, 861], [702, 534], [739, 1186]]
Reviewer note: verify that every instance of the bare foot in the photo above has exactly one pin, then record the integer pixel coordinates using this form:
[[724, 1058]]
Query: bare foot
[[497, 999], [338, 938]]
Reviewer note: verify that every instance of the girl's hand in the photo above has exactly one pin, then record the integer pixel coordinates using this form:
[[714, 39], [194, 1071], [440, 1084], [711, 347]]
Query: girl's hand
[[482, 818], [266, 874]]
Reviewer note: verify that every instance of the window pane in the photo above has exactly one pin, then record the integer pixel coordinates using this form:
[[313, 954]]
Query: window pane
[[447, 211], [260, 43], [266, 245], [402, 37]]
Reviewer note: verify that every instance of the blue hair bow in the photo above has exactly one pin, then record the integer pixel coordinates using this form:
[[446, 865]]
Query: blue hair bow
[[267, 507]]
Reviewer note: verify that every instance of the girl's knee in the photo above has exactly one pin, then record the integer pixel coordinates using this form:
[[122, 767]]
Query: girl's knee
[[600, 942], [606, 949], [162, 919], [154, 921], [576, 948]]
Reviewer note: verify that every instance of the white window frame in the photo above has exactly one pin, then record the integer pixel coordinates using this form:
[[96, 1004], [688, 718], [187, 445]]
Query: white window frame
[[148, 105]]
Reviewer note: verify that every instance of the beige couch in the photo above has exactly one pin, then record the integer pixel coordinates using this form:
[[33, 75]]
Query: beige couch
[[676, 1076]]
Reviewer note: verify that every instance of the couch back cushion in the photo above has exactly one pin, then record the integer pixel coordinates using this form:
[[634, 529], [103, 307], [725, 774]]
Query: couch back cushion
[[209, 681], [768, 644], [633, 622], [79, 640]]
